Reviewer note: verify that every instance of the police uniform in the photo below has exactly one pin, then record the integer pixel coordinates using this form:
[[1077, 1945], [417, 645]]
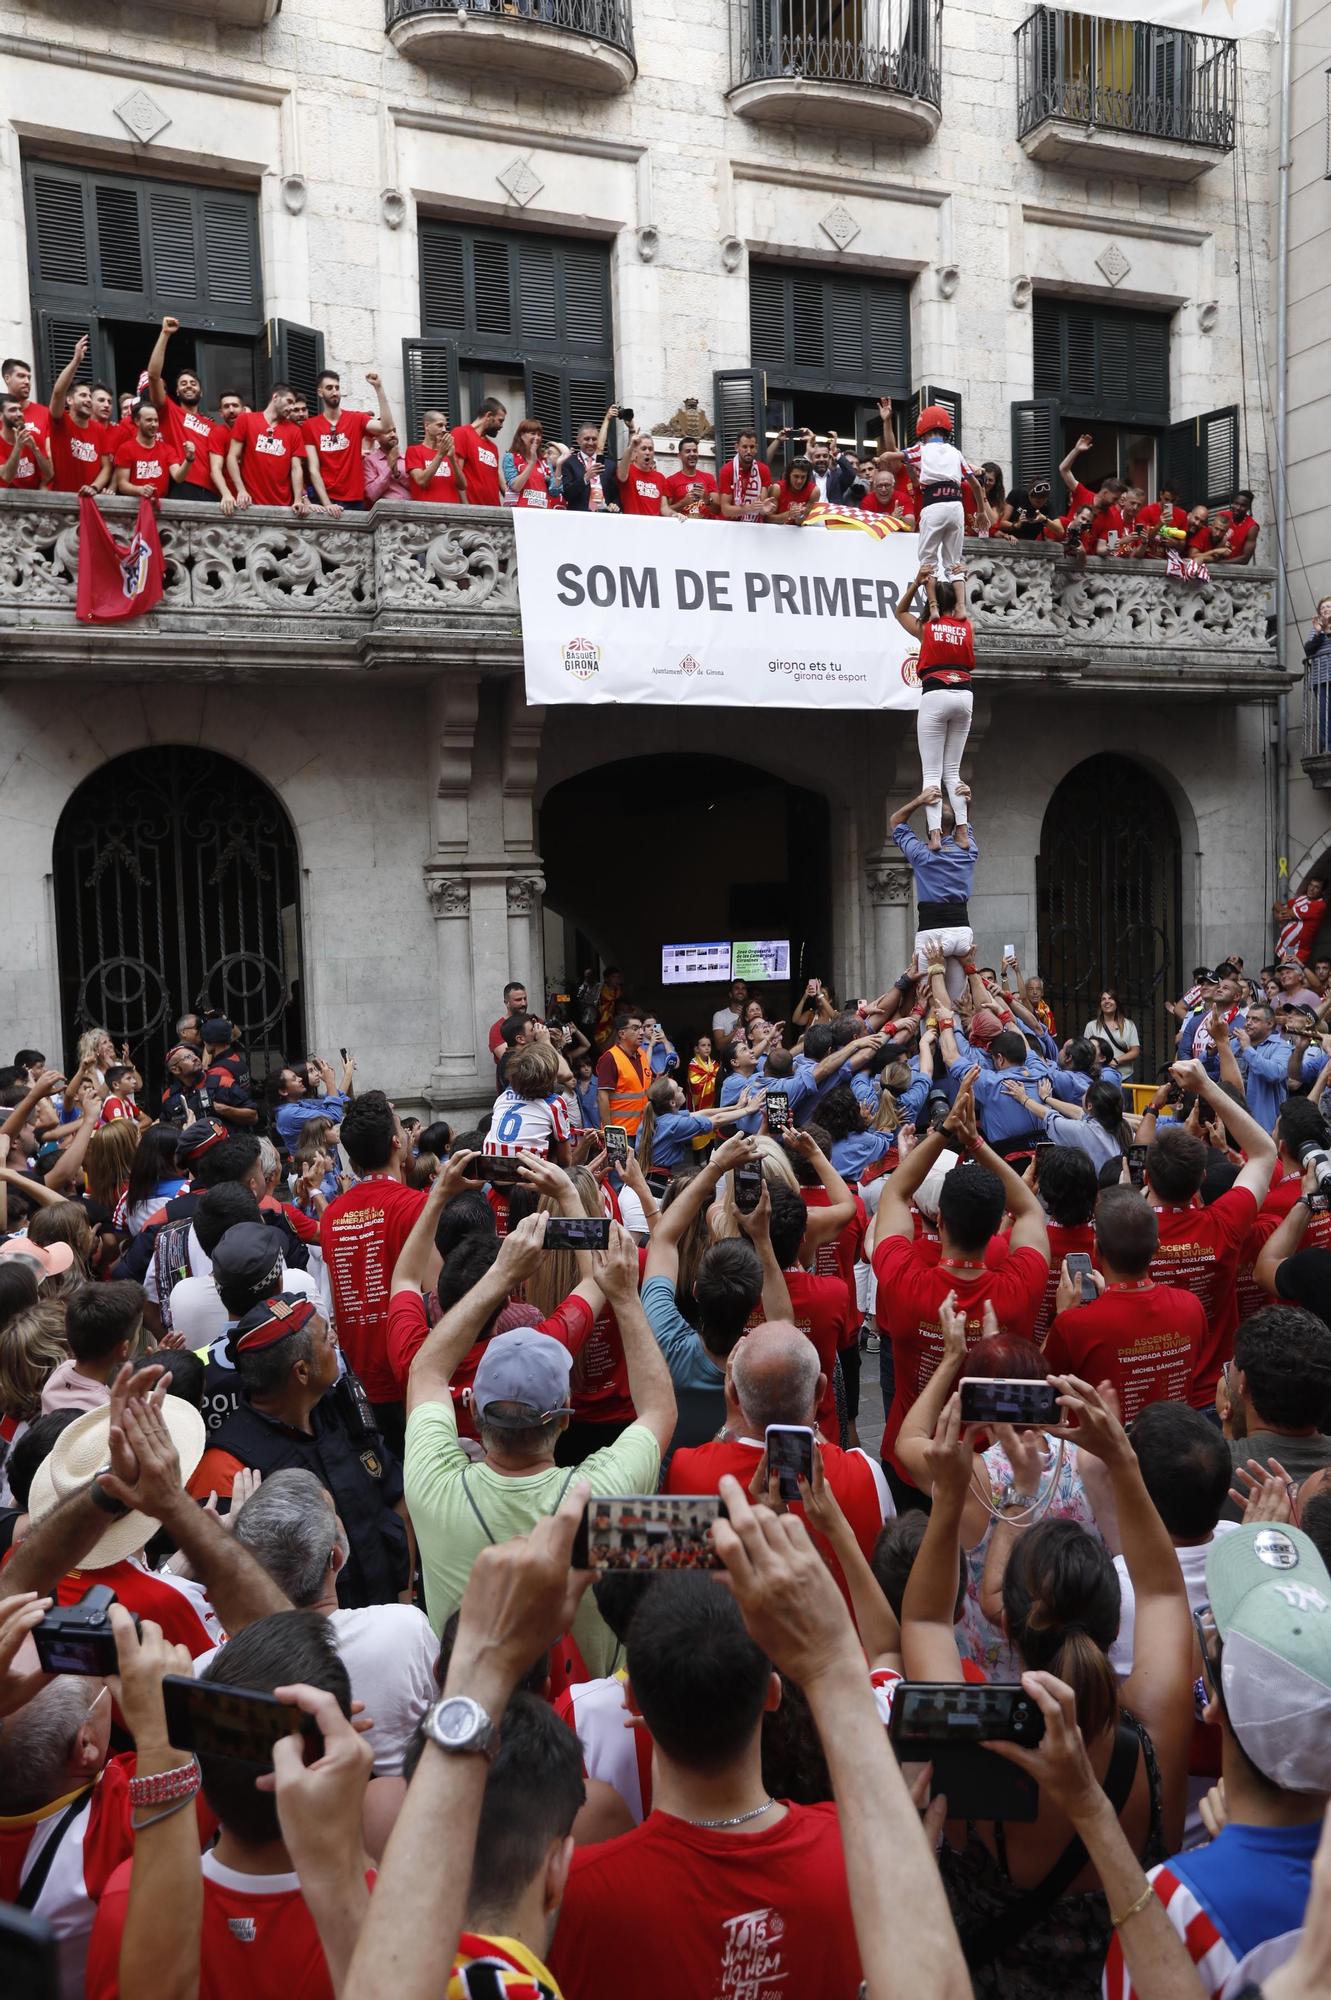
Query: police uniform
[[181, 1100]]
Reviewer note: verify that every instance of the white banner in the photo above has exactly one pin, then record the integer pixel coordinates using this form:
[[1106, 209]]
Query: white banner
[[1234, 18], [716, 614]]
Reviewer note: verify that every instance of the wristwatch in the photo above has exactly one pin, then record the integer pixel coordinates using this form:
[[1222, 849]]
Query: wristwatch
[[461, 1726], [99, 1496]]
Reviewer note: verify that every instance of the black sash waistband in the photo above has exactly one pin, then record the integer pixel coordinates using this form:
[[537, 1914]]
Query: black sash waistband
[[939, 490], [950, 916]]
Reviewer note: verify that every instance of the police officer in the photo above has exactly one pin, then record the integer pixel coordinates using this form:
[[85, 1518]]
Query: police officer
[[227, 1076], [287, 1360], [186, 1094], [248, 1267]]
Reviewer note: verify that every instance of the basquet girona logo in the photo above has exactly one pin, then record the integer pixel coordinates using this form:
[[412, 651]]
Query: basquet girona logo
[[581, 657], [910, 670]]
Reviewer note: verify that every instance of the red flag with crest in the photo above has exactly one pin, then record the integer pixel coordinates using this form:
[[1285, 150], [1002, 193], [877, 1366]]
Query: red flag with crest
[[118, 579]]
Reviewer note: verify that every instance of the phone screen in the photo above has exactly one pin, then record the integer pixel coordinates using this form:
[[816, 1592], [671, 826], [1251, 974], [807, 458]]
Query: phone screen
[[748, 1186], [648, 1531], [1021, 1401], [617, 1142], [577, 1232], [1079, 1266], [778, 1111], [1137, 1165], [500, 1169], [238, 1723], [790, 1456]]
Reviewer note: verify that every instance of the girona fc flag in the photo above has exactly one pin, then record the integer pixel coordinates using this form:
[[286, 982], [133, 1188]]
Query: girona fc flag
[[118, 579]]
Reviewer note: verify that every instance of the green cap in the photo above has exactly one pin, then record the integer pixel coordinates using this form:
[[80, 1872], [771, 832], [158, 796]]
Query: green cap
[[1271, 1600]]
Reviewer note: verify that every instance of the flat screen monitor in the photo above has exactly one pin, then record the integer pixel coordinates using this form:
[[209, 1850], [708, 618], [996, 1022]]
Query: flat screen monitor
[[695, 964], [760, 959]]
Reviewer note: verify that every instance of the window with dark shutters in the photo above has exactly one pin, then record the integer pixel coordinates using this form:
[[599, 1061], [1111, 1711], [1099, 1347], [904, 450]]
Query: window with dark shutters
[[541, 303], [841, 335], [1105, 363], [119, 247]]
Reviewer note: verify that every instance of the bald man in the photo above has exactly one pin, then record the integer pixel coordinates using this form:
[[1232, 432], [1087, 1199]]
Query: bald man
[[773, 1377]]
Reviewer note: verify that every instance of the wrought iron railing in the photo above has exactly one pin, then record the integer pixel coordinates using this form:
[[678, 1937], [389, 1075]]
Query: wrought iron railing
[[609, 21], [1126, 76], [884, 44], [1317, 706]]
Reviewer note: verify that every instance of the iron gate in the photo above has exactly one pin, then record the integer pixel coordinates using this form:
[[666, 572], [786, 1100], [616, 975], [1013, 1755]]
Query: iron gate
[[177, 887], [1108, 880]]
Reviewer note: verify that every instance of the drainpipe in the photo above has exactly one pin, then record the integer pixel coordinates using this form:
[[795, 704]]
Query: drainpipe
[[1282, 434]]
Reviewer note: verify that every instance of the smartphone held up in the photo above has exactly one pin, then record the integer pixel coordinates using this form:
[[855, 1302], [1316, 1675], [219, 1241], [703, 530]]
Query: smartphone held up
[[648, 1531]]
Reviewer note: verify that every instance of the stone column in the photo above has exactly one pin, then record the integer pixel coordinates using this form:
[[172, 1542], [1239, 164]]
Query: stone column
[[449, 895], [888, 881], [525, 953]]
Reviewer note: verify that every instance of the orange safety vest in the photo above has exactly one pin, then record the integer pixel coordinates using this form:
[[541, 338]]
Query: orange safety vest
[[629, 1100]]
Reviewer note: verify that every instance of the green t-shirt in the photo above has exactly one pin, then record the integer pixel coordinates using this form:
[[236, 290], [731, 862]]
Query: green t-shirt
[[454, 1523]]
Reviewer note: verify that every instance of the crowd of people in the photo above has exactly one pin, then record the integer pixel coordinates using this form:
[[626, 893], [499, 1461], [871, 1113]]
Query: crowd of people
[[360, 1628], [159, 442]]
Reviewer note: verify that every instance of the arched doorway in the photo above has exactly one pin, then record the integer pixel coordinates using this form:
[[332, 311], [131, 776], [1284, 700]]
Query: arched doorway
[[177, 887], [682, 849], [1108, 881]]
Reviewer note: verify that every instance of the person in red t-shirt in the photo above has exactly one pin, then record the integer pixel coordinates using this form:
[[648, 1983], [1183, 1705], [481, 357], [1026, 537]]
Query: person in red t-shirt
[[17, 378], [185, 420], [515, 1002], [149, 464], [775, 1378], [1067, 1185], [1200, 1248], [265, 461], [913, 1282], [1200, 539], [820, 1307], [1162, 512], [478, 453], [434, 469], [361, 1235], [691, 492], [1143, 1337], [335, 440], [78, 444], [641, 483], [737, 1892], [881, 498], [745, 488], [24, 463], [257, 1936], [1239, 530]]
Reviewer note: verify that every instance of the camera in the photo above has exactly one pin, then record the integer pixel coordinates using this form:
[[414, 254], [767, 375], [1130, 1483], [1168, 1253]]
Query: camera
[[935, 1112], [626, 417], [77, 1638], [1319, 1159]]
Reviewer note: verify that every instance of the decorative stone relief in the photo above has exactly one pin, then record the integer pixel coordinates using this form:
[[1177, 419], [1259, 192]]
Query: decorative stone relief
[[1208, 312], [523, 893], [393, 207], [1113, 263], [888, 882], [840, 225], [649, 242], [142, 117], [461, 567], [450, 895], [1022, 289], [949, 279], [295, 193], [520, 182], [732, 253]]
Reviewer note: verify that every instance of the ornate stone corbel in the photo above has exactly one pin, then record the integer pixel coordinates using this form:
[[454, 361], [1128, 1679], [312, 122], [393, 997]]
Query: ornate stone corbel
[[523, 892], [450, 895]]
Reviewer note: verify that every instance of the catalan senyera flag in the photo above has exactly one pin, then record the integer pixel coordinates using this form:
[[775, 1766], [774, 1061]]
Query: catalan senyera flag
[[1234, 18], [877, 525]]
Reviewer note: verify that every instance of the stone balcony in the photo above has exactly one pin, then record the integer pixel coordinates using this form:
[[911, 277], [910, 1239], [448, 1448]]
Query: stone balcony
[[407, 590]]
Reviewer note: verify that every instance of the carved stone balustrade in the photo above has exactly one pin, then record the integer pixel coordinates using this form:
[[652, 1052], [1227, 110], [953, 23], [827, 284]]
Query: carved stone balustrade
[[409, 590]]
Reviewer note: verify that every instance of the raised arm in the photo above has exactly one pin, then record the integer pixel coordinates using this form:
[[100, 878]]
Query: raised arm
[[1253, 1139], [757, 1227], [64, 381], [157, 362], [446, 1343], [928, 1633], [902, 612], [925, 798], [1287, 1236], [650, 1388], [417, 1266], [824, 1225], [1066, 471], [663, 1250]]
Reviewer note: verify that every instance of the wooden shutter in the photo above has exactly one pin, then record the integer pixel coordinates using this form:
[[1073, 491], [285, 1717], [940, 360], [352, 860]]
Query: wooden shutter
[[739, 397], [946, 399], [492, 288], [538, 304], [840, 335], [1103, 363], [121, 263], [430, 371], [584, 274], [173, 245], [58, 333], [59, 229], [547, 398], [1046, 347], [294, 354], [443, 281], [229, 254], [589, 397], [1199, 458], [1034, 442]]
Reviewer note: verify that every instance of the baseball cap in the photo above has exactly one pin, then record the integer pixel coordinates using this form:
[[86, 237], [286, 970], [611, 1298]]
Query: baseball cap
[[1271, 1600], [245, 1255], [216, 1028], [198, 1139], [264, 1325], [522, 1379]]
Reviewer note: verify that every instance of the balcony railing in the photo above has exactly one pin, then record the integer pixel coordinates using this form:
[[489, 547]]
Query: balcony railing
[[406, 587], [561, 40], [1317, 719], [833, 53], [1126, 77]]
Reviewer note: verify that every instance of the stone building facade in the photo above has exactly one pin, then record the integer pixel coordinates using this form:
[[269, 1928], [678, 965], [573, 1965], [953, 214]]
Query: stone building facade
[[1035, 219]]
